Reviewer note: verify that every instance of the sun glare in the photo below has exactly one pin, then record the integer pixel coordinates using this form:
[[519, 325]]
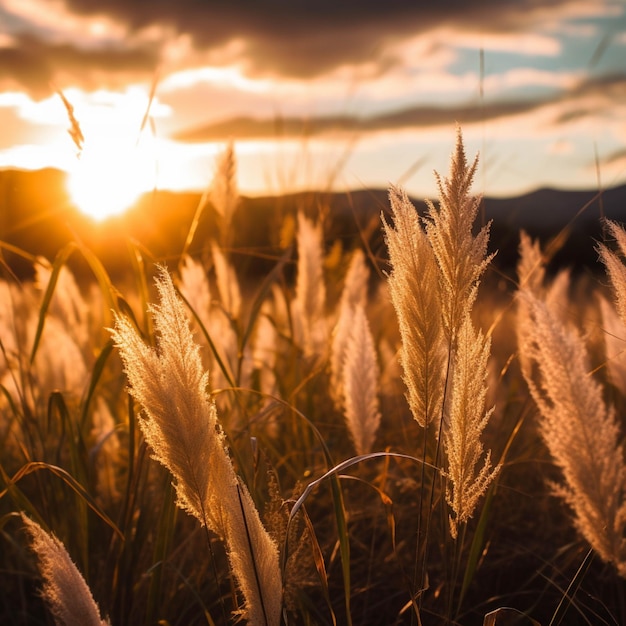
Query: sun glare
[[109, 177], [117, 159]]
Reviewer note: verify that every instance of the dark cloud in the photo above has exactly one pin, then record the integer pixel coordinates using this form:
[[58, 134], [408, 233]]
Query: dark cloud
[[610, 87], [292, 127], [209, 19], [301, 39], [306, 38], [36, 65]]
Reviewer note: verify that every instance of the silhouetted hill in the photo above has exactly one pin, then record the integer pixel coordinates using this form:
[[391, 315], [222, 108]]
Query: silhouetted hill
[[37, 218]]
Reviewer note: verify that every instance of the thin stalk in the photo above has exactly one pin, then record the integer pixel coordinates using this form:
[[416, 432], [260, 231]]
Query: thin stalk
[[559, 613], [456, 567], [414, 590], [436, 464]]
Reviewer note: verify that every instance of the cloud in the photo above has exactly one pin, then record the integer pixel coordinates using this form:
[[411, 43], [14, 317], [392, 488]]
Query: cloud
[[35, 65], [568, 105], [274, 38], [293, 127], [619, 156], [593, 97]]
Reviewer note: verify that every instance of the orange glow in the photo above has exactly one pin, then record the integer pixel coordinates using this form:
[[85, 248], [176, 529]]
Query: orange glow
[[117, 163], [109, 177]]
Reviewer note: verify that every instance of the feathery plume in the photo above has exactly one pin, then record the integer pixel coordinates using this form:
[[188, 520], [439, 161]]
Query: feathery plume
[[579, 429], [310, 301], [531, 273], [461, 257], [59, 362], [467, 420], [183, 431], [360, 382], [264, 351], [530, 267], [64, 589], [415, 293], [354, 294], [615, 345], [224, 192], [194, 285], [615, 266]]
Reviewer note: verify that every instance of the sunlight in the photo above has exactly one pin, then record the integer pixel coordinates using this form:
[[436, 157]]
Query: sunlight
[[109, 177], [116, 162]]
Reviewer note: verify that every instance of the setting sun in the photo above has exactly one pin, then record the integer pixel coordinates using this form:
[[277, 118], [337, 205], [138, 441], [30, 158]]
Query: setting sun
[[116, 159], [109, 177]]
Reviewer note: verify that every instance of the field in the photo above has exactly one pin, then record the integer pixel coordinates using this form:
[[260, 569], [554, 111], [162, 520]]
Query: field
[[403, 438]]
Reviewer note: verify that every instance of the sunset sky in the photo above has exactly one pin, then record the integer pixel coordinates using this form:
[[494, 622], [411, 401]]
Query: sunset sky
[[360, 93]]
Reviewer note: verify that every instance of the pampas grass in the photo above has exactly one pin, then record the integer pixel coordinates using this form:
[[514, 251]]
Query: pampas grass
[[194, 286], [224, 193], [354, 294], [308, 307], [415, 292], [181, 427], [227, 283], [394, 516], [615, 266], [64, 590], [467, 419], [360, 383], [436, 269], [579, 429], [461, 256]]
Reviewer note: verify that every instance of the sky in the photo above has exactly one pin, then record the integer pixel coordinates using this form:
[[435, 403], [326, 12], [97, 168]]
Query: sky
[[316, 94]]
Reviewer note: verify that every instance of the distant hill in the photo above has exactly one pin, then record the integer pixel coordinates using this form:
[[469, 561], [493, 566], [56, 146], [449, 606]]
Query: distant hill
[[37, 217]]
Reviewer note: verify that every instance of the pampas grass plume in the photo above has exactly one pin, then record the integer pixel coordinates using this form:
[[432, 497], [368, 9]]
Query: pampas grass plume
[[466, 422], [64, 590], [354, 294], [227, 282], [615, 267], [415, 293], [183, 431], [224, 193], [310, 301], [361, 375], [461, 256], [579, 429]]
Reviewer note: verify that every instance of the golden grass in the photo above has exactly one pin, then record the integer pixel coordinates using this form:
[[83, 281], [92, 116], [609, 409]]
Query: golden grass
[[332, 443]]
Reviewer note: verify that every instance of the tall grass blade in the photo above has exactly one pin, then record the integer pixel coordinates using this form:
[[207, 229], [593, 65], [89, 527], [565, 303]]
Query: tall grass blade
[[570, 592], [96, 373], [70, 481]]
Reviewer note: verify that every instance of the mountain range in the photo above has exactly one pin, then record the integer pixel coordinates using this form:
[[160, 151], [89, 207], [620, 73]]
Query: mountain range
[[38, 218]]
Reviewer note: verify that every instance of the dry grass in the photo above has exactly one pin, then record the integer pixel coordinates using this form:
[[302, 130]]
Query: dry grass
[[296, 451]]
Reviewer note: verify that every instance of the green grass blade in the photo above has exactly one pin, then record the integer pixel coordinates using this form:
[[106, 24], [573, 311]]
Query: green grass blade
[[165, 530], [60, 260], [107, 289], [96, 373], [344, 541], [70, 481]]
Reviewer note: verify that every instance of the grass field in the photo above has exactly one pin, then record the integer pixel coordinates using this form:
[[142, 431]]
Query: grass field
[[412, 439]]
